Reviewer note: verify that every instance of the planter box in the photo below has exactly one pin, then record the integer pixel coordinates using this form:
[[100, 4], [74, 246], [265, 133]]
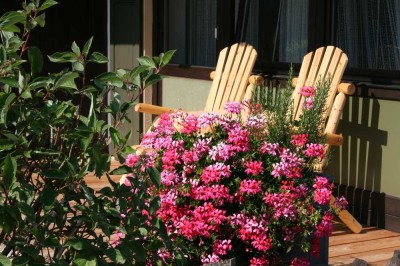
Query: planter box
[[230, 262], [321, 261]]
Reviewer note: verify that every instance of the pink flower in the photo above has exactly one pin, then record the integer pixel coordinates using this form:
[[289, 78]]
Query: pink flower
[[340, 203], [214, 172], [253, 167], [131, 160], [250, 187], [289, 165], [282, 204], [315, 150], [239, 139], [209, 259], [262, 242], [221, 152], [215, 192], [270, 148], [307, 91], [323, 190], [189, 124], [257, 122], [261, 261], [207, 119], [300, 262], [221, 247], [117, 239], [324, 228], [299, 139], [308, 103], [234, 107]]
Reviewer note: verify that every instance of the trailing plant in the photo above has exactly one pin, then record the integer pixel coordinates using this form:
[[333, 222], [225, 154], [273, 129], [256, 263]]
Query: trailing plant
[[54, 131]]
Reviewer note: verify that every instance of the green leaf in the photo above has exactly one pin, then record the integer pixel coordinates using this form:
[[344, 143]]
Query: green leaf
[[90, 261], [11, 28], [5, 103], [152, 79], [3, 54], [4, 261], [66, 81], [27, 211], [97, 57], [89, 195], [123, 169], [87, 46], [115, 136], [40, 82], [140, 252], [46, 4], [41, 20], [6, 144], [63, 57], [143, 231], [154, 205], [26, 94], [9, 81], [20, 260], [78, 243], [35, 58], [78, 66], [115, 255], [146, 61], [167, 57], [9, 171], [55, 174], [154, 175], [47, 197], [109, 78], [75, 48], [102, 162], [11, 18], [51, 242], [137, 70]]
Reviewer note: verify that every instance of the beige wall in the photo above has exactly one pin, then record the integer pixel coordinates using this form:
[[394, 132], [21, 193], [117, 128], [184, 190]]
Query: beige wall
[[370, 156], [184, 93]]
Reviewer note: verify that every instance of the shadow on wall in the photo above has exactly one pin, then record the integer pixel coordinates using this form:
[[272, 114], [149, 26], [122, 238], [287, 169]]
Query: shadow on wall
[[357, 164]]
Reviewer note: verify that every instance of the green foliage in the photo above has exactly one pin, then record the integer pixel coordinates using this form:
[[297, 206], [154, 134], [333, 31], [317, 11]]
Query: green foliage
[[53, 132], [277, 103]]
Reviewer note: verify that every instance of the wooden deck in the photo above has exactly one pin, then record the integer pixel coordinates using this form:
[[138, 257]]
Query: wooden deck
[[373, 245]]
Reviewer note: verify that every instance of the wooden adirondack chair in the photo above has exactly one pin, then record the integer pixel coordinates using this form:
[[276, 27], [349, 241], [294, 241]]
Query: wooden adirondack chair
[[230, 79], [327, 63]]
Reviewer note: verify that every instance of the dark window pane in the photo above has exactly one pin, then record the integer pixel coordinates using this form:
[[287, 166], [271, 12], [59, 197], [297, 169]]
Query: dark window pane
[[278, 29], [369, 32], [190, 28]]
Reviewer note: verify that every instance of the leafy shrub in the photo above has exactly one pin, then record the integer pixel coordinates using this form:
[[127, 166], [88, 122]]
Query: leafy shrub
[[54, 130]]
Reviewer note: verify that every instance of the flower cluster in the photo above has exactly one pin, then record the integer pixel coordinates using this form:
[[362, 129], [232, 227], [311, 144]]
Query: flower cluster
[[226, 190]]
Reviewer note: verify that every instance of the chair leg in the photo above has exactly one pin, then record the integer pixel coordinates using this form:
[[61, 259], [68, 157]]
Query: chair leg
[[348, 219]]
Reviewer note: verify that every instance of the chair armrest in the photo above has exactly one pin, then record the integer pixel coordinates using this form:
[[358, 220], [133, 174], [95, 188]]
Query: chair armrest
[[152, 109], [334, 139], [347, 88]]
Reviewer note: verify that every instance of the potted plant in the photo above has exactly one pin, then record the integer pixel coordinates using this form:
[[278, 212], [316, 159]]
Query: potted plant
[[242, 183]]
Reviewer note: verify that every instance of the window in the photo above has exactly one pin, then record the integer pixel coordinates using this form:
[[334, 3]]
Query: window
[[369, 31], [283, 31], [190, 28]]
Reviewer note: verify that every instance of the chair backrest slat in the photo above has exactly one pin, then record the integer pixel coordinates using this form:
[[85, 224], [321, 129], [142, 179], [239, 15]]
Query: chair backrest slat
[[233, 70], [326, 63]]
